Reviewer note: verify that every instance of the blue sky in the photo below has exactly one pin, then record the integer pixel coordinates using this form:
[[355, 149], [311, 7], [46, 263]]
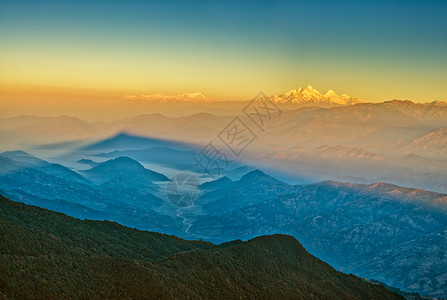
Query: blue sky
[[376, 50]]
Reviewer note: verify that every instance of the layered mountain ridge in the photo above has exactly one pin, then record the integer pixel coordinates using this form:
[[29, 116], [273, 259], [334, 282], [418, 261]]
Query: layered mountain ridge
[[351, 226]]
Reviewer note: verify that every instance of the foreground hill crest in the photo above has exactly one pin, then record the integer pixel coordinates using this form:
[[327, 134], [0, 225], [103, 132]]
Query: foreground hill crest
[[49, 255]]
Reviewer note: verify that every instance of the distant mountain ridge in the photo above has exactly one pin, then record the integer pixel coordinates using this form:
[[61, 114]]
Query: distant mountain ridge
[[298, 124], [194, 97], [298, 96]]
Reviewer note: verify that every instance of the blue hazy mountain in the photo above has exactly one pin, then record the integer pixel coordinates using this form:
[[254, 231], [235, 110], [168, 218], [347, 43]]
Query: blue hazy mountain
[[67, 207], [125, 168], [215, 190], [222, 184], [24, 158], [37, 182], [125, 198], [360, 228], [88, 162], [20, 160], [253, 187]]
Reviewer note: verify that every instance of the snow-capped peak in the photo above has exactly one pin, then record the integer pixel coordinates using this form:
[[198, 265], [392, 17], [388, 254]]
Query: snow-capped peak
[[311, 95], [194, 97]]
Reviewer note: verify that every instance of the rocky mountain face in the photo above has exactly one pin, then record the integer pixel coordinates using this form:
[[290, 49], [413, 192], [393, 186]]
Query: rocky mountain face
[[406, 258], [432, 144]]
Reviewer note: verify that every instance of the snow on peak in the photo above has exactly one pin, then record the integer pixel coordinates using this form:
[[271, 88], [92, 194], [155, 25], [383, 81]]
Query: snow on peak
[[194, 97], [311, 95]]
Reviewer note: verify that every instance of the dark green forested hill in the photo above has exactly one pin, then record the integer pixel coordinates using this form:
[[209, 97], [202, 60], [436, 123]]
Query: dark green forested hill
[[48, 255]]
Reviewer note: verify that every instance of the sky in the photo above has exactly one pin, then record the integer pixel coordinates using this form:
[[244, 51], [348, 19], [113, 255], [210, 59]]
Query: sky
[[61, 52]]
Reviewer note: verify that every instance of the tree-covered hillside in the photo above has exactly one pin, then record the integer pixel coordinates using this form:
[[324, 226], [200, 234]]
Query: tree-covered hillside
[[48, 255]]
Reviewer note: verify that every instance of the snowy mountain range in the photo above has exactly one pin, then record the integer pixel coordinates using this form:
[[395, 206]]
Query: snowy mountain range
[[309, 95], [301, 95], [194, 97]]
